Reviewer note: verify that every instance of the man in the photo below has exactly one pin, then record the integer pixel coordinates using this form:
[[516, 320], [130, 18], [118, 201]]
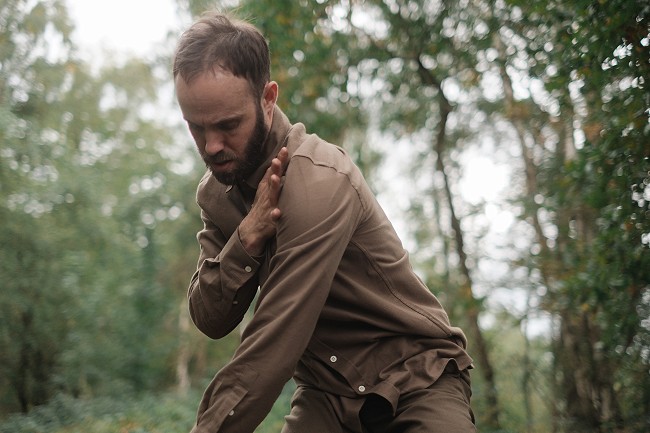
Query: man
[[339, 308]]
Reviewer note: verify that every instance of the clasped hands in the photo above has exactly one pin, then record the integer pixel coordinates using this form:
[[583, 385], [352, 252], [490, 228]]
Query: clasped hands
[[260, 224]]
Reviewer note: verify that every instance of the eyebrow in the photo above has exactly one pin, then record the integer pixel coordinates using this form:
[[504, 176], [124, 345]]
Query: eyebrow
[[235, 118], [221, 122]]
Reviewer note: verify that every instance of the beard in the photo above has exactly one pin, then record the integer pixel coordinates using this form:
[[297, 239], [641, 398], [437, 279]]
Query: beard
[[249, 162]]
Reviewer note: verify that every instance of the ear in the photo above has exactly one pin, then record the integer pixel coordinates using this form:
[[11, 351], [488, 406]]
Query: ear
[[269, 98]]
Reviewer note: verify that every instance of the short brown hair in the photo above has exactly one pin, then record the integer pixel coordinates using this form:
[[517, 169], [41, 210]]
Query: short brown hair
[[216, 40]]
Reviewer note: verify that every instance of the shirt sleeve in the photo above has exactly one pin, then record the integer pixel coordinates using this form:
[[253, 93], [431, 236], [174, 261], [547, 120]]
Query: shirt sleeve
[[320, 211], [224, 283]]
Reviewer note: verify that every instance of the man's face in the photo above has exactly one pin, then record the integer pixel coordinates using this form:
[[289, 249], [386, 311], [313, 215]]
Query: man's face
[[228, 124]]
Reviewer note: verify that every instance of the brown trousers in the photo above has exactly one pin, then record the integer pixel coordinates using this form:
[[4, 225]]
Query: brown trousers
[[444, 407]]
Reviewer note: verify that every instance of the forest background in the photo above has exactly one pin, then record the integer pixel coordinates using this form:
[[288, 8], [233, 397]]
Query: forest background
[[509, 141]]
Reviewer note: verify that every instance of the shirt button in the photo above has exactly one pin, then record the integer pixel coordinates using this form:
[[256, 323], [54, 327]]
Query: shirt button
[[231, 413], [248, 269], [362, 388], [333, 358]]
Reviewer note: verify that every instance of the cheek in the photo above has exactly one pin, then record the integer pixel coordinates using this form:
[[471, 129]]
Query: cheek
[[236, 144], [238, 139]]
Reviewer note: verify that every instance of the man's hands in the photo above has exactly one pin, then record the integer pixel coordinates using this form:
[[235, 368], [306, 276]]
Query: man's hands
[[260, 223]]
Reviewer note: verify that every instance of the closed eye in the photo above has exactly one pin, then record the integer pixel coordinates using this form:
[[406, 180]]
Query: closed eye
[[229, 125], [194, 127]]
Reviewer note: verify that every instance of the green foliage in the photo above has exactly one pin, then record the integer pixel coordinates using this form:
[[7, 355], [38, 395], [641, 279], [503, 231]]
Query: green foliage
[[594, 63], [87, 199], [526, 406], [145, 413]]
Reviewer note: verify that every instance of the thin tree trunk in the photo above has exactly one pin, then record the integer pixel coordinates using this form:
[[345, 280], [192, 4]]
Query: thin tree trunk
[[445, 241], [183, 381], [466, 293], [527, 373]]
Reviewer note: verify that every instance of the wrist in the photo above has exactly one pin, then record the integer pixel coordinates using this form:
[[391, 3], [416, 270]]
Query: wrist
[[254, 245]]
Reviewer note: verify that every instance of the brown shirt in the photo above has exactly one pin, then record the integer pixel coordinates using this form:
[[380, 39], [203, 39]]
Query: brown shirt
[[339, 309]]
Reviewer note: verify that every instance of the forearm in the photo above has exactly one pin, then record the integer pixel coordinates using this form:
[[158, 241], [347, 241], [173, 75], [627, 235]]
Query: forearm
[[251, 238], [222, 288]]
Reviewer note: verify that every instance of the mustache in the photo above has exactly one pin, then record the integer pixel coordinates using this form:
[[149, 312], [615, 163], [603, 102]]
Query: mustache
[[219, 158]]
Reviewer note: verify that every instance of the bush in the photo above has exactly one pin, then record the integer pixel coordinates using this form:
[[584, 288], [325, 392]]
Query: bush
[[146, 413]]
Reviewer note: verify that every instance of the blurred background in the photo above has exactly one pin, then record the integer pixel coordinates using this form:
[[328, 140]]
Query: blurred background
[[508, 141]]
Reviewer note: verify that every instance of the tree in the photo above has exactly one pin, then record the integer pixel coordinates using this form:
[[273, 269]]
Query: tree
[[30, 279], [585, 154], [86, 198]]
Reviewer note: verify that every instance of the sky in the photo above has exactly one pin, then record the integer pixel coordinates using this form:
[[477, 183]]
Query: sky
[[132, 27]]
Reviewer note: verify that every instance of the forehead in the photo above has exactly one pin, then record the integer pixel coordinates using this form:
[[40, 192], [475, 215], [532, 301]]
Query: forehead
[[214, 93]]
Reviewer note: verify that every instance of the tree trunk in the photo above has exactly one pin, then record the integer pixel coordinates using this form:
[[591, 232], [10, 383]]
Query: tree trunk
[[527, 369], [480, 349], [183, 381]]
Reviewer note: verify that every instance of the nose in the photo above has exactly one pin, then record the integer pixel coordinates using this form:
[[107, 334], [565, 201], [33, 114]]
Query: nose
[[214, 142]]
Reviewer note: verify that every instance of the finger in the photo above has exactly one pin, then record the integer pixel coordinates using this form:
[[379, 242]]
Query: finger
[[276, 167], [278, 164], [274, 190], [283, 157]]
